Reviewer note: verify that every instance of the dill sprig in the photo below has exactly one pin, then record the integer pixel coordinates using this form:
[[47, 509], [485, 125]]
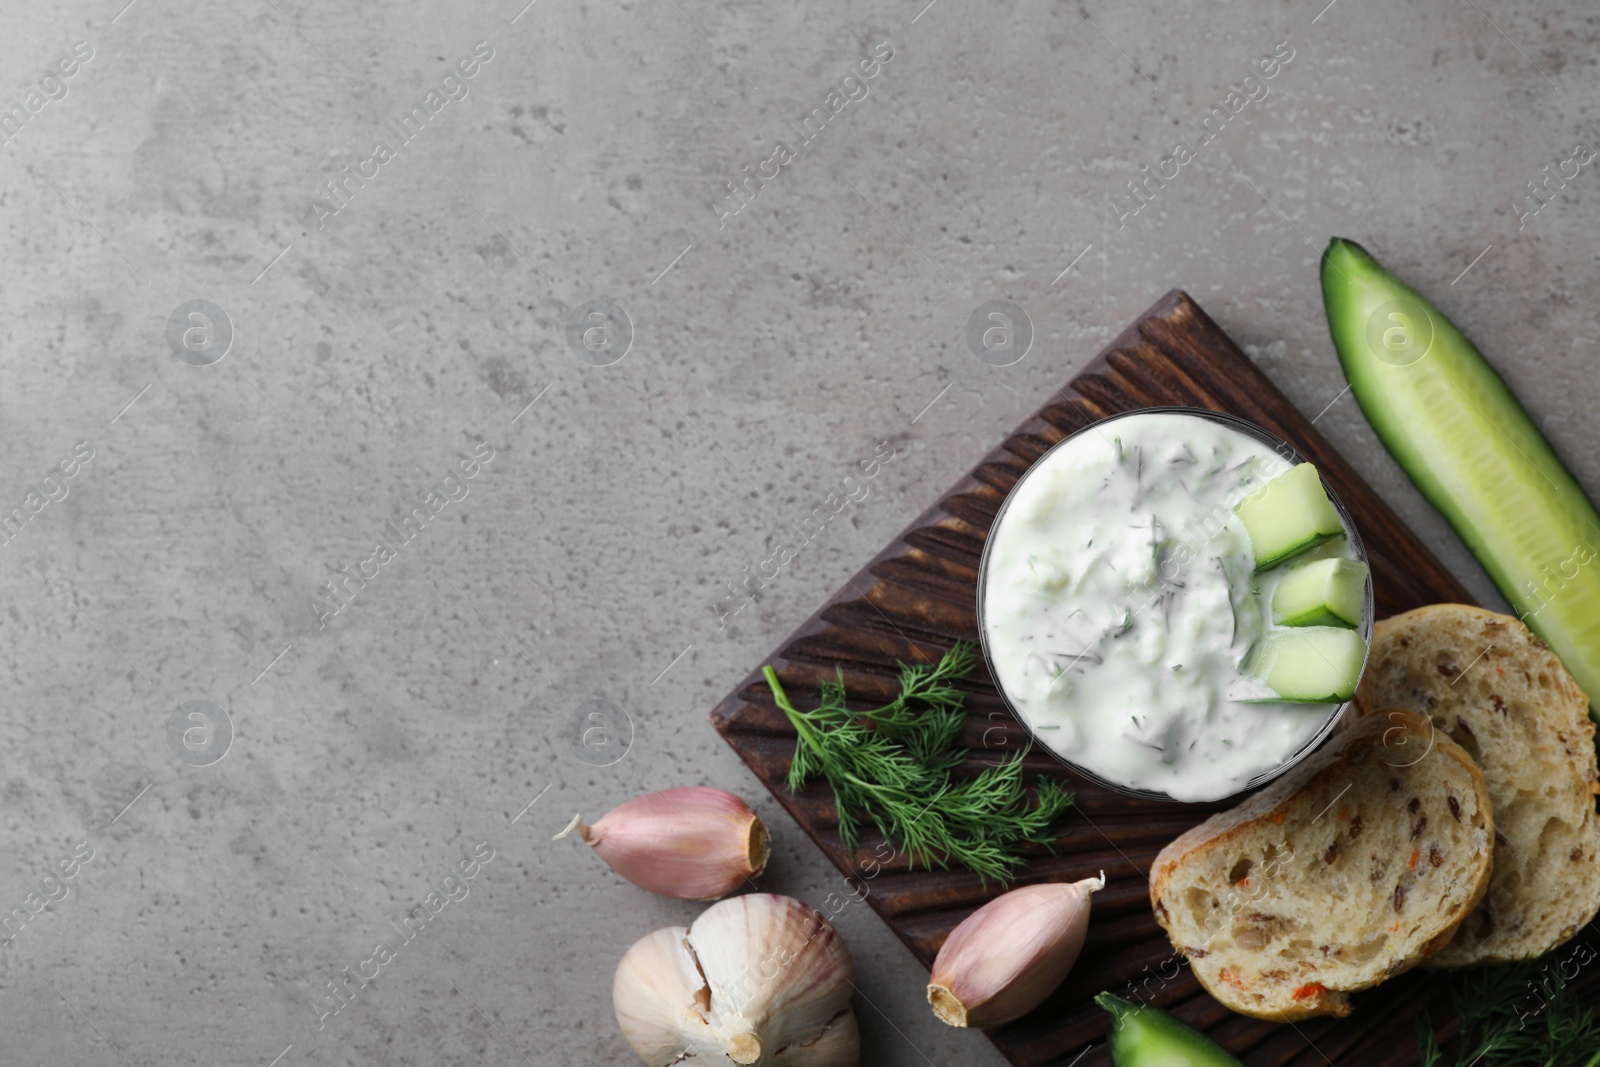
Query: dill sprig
[[894, 766], [1514, 1015]]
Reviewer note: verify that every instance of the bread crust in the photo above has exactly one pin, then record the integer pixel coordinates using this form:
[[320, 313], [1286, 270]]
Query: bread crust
[[1283, 806]]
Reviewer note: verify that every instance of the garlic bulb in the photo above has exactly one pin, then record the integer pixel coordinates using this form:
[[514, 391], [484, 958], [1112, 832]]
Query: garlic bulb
[[758, 979], [1009, 955], [695, 843]]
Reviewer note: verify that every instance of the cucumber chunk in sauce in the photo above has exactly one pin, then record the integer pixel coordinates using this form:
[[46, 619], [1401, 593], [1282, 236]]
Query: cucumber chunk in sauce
[[1323, 592], [1312, 664], [1288, 515]]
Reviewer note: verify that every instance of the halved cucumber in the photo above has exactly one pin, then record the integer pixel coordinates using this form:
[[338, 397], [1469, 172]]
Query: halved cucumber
[[1288, 515], [1324, 592], [1312, 664], [1144, 1036], [1456, 430]]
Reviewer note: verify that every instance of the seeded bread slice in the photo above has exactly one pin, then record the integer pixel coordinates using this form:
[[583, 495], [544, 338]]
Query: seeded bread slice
[[1351, 868], [1500, 693]]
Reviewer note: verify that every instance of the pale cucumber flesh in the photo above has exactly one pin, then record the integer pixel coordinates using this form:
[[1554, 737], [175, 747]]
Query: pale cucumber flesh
[[1288, 515], [1312, 664], [1464, 440], [1323, 592]]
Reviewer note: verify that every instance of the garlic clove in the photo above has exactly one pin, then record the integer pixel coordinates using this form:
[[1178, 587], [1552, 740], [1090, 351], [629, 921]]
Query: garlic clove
[[694, 842], [655, 993], [757, 980], [797, 978], [1009, 955]]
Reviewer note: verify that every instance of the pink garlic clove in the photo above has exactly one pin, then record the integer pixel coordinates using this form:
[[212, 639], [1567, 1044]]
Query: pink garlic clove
[[1009, 955], [694, 842]]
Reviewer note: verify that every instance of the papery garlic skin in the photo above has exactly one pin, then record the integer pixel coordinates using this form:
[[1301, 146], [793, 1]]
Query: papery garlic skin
[[1009, 955], [694, 842], [655, 995], [758, 980]]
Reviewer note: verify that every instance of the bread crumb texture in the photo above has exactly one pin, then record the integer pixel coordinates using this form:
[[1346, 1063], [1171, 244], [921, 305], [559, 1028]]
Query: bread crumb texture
[[1352, 868], [1498, 691]]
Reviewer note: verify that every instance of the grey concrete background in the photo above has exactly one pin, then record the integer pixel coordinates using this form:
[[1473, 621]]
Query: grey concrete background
[[770, 352]]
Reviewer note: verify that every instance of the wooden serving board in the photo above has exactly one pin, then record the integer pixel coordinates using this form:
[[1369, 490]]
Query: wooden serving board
[[918, 596]]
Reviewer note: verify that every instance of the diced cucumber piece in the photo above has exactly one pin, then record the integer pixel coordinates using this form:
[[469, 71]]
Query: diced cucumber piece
[[1324, 592], [1312, 664], [1145, 1036], [1456, 430], [1288, 515]]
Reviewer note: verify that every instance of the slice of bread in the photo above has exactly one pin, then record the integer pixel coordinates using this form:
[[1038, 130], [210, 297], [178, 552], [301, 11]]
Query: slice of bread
[[1500, 693], [1351, 868]]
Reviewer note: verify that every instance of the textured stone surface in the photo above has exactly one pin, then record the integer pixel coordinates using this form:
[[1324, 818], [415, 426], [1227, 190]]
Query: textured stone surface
[[771, 350]]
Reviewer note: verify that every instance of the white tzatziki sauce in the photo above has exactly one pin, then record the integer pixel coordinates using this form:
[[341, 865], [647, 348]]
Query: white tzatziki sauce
[[1119, 604]]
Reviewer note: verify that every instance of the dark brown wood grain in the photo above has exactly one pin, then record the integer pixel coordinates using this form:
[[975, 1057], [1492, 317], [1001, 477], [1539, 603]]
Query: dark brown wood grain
[[917, 597]]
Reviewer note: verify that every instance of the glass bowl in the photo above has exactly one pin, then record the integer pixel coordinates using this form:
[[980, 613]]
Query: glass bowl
[[1356, 551]]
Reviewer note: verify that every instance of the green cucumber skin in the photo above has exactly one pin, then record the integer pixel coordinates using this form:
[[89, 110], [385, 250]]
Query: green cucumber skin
[[1338, 586], [1142, 1036], [1485, 483], [1319, 617], [1288, 554]]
